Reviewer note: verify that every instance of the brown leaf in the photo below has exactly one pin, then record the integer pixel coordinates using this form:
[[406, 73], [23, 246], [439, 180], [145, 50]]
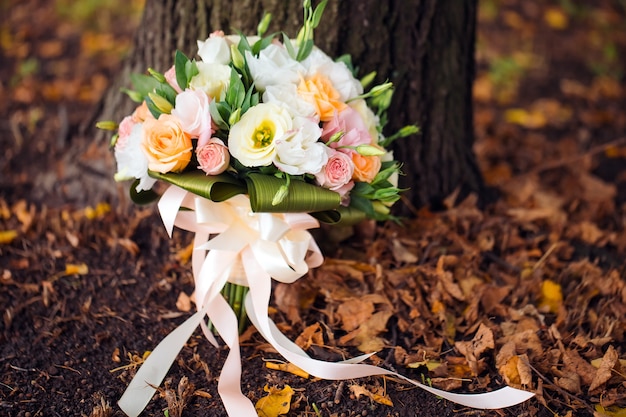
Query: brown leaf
[[605, 370], [312, 335], [574, 363], [472, 350]]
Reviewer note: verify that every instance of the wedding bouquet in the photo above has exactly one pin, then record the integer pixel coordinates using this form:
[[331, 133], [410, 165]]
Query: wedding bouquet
[[259, 138]]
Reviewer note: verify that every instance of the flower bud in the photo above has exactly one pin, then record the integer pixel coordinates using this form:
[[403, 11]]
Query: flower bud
[[134, 95], [238, 60], [369, 150], [408, 131], [107, 125], [234, 117], [264, 24], [157, 75], [367, 79], [161, 103], [280, 195]]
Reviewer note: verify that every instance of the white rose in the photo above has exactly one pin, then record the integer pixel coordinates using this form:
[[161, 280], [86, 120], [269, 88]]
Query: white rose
[[273, 66], [213, 79], [251, 139], [287, 96], [214, 50], [131, 161], [369, 117], [337, 72], [298, 151]]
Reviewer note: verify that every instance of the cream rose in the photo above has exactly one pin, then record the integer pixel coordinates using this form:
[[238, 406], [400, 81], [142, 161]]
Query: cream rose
[[212, 78], [251, 139], [213, 157], [165, 144]]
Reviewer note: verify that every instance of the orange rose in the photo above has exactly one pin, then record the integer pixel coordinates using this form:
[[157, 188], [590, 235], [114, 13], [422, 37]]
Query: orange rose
[[142, 113], [319, 91], [365, 167], [166, 146]]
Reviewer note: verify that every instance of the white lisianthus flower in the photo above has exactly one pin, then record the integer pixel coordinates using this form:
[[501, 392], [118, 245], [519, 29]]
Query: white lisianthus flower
[[298, 151], [131, 161], [213, 79], [273, 66], [369, 117], [214, 50], [287, 96], [337, 72], [251, 139]]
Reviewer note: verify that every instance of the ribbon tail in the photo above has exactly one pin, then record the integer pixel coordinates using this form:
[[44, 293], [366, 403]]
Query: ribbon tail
[[229, 385], [257, 302], [151, 373]]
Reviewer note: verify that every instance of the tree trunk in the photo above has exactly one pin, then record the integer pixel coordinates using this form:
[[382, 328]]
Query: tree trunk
[[425, 47]]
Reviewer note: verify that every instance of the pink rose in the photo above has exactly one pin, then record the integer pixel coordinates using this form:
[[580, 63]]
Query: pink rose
[[336, 175], [170, 77], [213, 157], [124, 130], [192, 110], [351, 123]]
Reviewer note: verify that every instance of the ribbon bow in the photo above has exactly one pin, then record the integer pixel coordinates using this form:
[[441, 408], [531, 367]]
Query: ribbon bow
[[263, 246]]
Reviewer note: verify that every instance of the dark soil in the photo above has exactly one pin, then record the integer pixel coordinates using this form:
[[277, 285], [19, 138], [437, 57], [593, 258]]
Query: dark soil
[[70, 340]]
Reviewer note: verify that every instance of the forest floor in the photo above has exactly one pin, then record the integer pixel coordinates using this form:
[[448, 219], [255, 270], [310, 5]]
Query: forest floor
[[529, 291]]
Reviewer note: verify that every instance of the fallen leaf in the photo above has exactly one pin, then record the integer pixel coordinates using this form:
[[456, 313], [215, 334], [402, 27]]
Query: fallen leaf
[[473, 349], [7, 236], [611, 411], [556, 18], [359, 390], [183, 303], [287, 367], [277, 402], [76, 269], [532, 119], [551, 296], [605, 370], [311, 335]]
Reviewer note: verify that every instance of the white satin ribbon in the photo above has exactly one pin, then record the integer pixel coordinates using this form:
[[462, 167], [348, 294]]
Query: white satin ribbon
[[270, 246]]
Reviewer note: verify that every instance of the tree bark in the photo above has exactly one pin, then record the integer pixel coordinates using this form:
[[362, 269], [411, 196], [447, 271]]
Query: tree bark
[[425, 47]]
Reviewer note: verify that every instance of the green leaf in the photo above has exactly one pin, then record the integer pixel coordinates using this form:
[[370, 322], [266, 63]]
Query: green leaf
[[287, 42], [216, 117], [236, 91], [305, 50], [191, 70], [143, 84], [180, 65], [302, 196], [317, 14], [142, 197], [166, 90], [214, 187], [153, 108]]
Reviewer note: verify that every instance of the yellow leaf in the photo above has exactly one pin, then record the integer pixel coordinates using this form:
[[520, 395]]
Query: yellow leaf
[[359, 390], [431, 365], [7, 236], [76, 269], [275, 403], [551, 296], [531, 120], [556, 18], [287, 367], [611, 411]]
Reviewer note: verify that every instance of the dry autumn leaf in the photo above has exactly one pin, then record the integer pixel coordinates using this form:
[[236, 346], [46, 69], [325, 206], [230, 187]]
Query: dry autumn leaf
[[277, 402], [359, 390]]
